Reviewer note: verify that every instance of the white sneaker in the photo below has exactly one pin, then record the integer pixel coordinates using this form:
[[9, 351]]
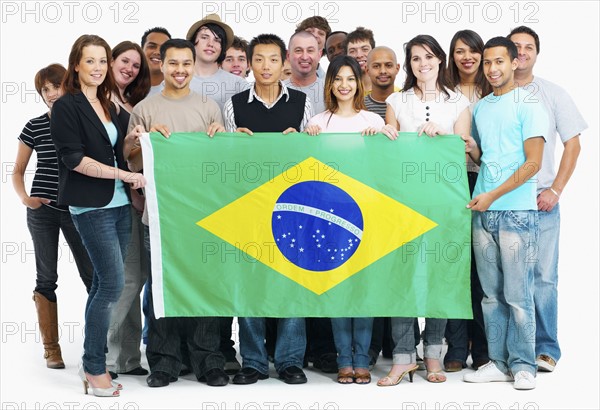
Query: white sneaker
[[487, 373], [524, 381]]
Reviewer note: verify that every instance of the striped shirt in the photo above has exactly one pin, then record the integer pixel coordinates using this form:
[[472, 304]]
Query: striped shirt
[[36, 135], [375, 106]]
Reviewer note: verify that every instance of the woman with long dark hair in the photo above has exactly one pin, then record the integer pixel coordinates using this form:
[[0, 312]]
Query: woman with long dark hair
[[94, 183], [427, 105]]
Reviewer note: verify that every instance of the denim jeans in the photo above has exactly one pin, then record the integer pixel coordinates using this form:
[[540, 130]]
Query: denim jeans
[[105, 233], [352, 338], [545, 293], [505, 244], [45, 224], [289, 348], [405, 351], [126, 324]]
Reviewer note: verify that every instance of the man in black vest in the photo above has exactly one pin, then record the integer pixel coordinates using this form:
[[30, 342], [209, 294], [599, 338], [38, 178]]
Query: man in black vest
[[269, 106]]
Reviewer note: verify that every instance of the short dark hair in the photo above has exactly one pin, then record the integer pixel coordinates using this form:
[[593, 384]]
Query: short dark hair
[[218, 32], [314, 21], [266, 39], [526, 30], [154, 30], [360, 34], [176, 43], [239, 44], [52, 74], [502, 42]]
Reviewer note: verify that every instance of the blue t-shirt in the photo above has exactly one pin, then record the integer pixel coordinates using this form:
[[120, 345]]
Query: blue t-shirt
[[119, 196], [500, 126]]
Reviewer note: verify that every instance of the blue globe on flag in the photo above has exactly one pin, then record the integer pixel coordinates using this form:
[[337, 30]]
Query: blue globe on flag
[[316, 225]]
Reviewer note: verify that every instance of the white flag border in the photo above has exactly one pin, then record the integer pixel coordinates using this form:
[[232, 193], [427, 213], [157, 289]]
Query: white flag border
[[153, 218]]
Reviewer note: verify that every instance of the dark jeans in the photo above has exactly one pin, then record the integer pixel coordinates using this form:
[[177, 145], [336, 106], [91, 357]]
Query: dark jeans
[[105, 233], [45, 224], [177, 341], [460, 331], [319, 338]]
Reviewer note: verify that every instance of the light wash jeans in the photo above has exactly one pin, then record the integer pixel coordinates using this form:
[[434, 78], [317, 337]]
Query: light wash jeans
[[289, 347], [405, 351], [352, 337], [545, 293], [505, 245], [105, 233]]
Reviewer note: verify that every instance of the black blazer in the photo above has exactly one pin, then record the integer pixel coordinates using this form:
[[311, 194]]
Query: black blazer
[[76, 132]]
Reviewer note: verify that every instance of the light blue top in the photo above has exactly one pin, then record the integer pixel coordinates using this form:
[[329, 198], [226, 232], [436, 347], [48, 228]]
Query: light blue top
[[500, 126], [119, 196]]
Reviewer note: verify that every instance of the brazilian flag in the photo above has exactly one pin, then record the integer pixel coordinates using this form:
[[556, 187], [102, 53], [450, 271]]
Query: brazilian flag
[[337, 225]]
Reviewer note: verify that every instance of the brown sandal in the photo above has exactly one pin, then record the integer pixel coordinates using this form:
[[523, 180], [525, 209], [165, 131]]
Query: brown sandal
[[362, 376], [345, 375]]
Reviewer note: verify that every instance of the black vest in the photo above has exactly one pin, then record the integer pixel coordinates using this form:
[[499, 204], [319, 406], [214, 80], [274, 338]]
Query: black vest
[[258, 118]]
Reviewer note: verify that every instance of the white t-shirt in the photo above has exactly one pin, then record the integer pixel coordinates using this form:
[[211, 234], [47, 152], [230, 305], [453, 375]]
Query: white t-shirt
[[412, 113], [357, 123]]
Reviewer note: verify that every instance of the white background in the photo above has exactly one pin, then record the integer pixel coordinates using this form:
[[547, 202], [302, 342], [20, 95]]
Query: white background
[[35, 34]]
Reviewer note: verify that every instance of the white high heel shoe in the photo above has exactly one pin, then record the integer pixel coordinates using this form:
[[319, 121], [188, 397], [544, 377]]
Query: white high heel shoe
[[97, 391]]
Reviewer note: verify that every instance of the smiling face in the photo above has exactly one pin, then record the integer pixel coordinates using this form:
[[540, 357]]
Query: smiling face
[[382, 67], [466, 59], [527, 51], [178, 68], [267, 64], [92, 66], [126, 68], [304, 55], [344, 84], [51, 93], [360, 50], [208, 46], [498, 69], [424, 64], [235, 62], [152, 50]]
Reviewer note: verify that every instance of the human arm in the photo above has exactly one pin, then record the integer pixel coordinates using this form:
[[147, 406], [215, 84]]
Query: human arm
[[548, 199], [533, 149], [392, 126], [18, 178]]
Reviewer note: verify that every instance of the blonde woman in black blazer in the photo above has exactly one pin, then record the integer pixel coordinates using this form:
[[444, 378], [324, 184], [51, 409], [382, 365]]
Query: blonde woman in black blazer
[[94, 183]]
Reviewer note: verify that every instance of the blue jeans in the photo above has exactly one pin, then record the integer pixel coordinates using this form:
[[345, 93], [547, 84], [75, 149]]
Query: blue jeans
[[45, 224], [545, 293], [289, 347], [405, 351], [352, 338], [105, 234], [506, 253]]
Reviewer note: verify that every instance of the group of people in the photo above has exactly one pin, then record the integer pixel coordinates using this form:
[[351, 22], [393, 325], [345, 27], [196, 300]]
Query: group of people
[[89, 184]]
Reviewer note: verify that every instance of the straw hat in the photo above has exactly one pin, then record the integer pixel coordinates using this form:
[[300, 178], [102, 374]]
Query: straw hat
[[214, 19]]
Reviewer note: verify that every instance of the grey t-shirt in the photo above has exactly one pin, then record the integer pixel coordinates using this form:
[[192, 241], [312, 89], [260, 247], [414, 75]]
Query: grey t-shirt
[[220, 86], [564, 118], [315, 92]]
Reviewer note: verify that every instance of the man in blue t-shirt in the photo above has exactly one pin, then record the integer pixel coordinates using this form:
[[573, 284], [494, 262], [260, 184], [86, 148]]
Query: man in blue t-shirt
[[510, 132]]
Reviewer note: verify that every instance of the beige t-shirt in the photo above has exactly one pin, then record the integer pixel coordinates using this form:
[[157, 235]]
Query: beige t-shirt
[[192, 113]]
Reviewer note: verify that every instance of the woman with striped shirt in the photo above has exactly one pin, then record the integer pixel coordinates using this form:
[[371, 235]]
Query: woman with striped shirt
[[45, 218]]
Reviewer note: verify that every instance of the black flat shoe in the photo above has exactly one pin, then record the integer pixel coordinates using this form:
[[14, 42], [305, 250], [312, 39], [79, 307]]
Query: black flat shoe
[[160, 379], [249, 375], [138, 371], [293, 375], [113, 375], [215, 377]]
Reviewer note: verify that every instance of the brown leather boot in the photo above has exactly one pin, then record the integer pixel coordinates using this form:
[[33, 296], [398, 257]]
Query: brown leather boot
[[47, 318]]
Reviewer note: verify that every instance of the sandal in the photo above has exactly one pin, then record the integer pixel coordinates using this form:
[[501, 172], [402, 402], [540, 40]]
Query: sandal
[[345, 375], [435, 376], [362, 376]]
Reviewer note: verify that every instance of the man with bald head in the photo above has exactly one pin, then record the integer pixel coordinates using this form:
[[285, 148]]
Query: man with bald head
[[304, 54], [382, 68]]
